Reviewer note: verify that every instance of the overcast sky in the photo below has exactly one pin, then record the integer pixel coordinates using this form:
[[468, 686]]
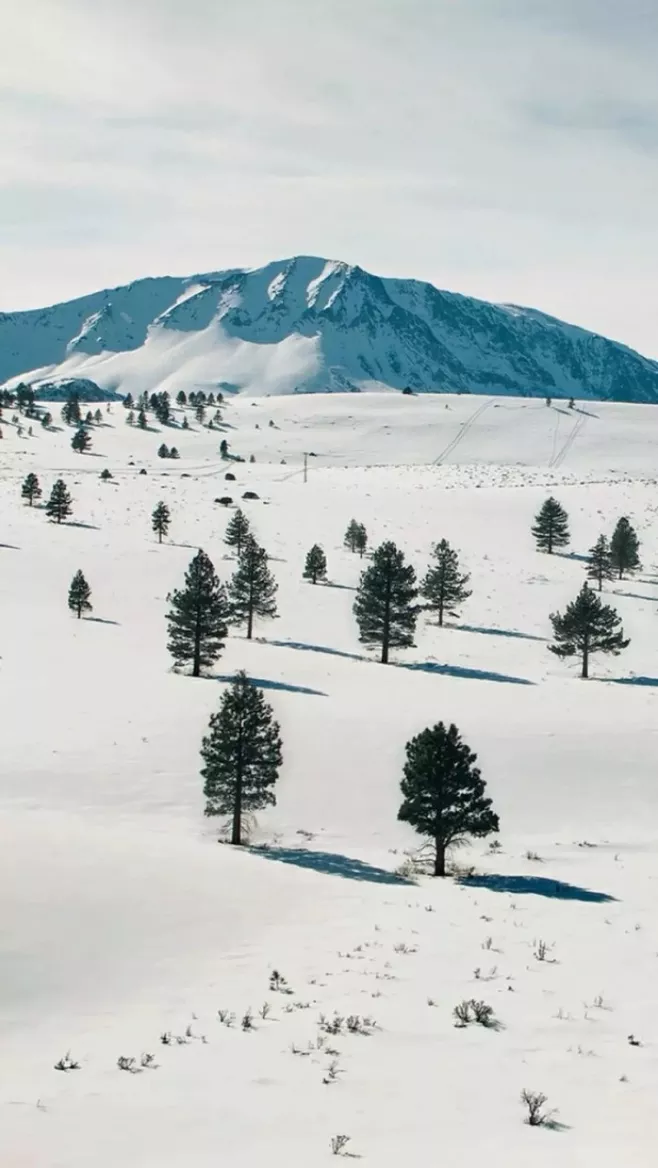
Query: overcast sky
[[503, 148]]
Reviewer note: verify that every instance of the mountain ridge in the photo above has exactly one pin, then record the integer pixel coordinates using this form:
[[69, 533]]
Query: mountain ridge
[[308, 324]]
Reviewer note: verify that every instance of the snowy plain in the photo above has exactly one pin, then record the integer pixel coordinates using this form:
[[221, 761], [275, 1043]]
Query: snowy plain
[[122, 917]]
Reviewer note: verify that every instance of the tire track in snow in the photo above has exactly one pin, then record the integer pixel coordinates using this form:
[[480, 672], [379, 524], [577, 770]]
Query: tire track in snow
[[562, 453], [452, 445]]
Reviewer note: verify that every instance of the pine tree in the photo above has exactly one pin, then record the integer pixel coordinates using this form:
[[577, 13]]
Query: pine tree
[[162, 408], [185, 425], [587, 626], [142, 420], [58, 506], [130, 418], [237, 531], [356, 537], [181, 398], [315, 567], [198, 617], [252, 588], [160, 520], [200, 413], [31, 489], [163, 451], [599, 562], [79, 594], [71, 413], [384, 606], [98, 417], [443, 791], [361, 539], [173, 453], [551, 526], [443, 587], [624, 548], [81, 441], [223, 448], [128, 401], [46, 420], [241, 755]]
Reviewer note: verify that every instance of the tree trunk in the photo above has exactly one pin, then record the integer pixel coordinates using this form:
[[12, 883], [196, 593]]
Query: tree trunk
[[196, 664], [159, 537], [79, 611], [585, 669], [236, 832], [440, 858], [386, 631]]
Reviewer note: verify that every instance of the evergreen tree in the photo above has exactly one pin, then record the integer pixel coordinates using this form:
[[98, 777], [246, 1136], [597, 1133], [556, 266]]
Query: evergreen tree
[[98, 417], [160, 520], [128, 401], [185, 425], [200, 413], [241, 755], [163, 451], [198, 617], [46, 420], [587, 626], [89, 419], [237, 531], [130, 418], [551, 526], [384, 606], [181, 398], [443, 587], [351, 539], [624, 548], [315, 567], [79, 594], [173, 453], [58, 506], [599, 562], [71, 413], [361, 540], [443, 791], [223, 448], [31, 489], [81, 441], [162, 408], [142, 420], [252, 588]]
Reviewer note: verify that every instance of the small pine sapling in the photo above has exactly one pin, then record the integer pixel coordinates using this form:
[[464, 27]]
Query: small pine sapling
[[31, 489], [160, 520], [79, 595], [315, 567]]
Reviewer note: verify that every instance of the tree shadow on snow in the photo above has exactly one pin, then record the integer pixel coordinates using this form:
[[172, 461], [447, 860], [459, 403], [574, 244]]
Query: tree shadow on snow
[[463, 671], [649, 681], [10, 546], [344, 587], [264, 683], [100, 620], [496, 632], [536, 886], [635, 596], [315, 649], [78, 523], [572, 556], [331, 863]]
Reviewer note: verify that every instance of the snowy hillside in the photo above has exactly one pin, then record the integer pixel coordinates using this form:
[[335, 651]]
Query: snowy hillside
[[123, 919], [309, 324]]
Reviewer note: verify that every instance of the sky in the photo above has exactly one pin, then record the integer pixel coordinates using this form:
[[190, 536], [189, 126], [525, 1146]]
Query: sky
[[507, 149]]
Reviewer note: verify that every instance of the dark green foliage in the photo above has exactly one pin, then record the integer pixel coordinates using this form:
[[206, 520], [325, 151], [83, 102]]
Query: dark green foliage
[[25, 399], [58, 506], [551, 526], [128, 401], [173, 453], [444, 587], [198, 617], [181, 398], [98, 417], [185, 425], [106, 474], [163, 451], [130, 418], [356, 537], [79, 594], [252, 588], [315, 567], [385, 607], [587, 626], [142, 420], [443, 791], [89, 419], [81, 441], [624, 548], [241, 755], [237, 530], [162, 407], [160, 520], [599, 562], [71, 410], [31, 489], [223, 448], [200, 413], [46, 420]]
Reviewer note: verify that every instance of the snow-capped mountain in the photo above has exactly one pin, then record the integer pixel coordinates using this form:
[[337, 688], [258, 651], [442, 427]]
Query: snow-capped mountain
[[311, 325]]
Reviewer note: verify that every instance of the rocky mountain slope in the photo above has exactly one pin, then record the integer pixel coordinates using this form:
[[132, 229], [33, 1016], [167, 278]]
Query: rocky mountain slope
[[311, 325]]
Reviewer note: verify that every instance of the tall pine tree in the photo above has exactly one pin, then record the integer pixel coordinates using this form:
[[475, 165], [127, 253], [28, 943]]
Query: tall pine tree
[[79, 595], [443, 792], [315, 567], [252, 588], [241, 755], [624, 548], [160, 520], [444, 587], [356, 537], [587, 626], [31, 489], [198, 617], [237, 531], [58, 506], [385, 607], [551, 526], [599, 562]]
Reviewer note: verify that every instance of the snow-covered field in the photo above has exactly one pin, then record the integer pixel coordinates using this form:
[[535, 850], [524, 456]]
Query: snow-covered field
[[122, 917]]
